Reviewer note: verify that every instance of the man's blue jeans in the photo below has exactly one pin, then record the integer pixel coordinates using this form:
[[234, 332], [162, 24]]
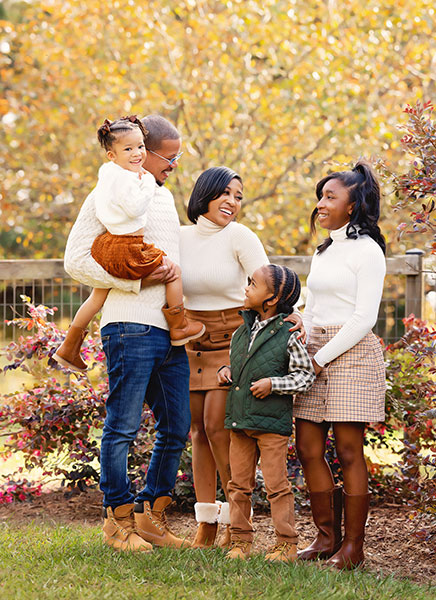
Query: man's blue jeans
[[143, 367]]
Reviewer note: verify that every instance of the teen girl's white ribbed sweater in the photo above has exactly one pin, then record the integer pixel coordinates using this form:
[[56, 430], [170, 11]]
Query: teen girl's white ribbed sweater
[[345, 286]]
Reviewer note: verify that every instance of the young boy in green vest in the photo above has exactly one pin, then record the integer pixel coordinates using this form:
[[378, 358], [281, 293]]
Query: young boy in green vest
[[268, 365]]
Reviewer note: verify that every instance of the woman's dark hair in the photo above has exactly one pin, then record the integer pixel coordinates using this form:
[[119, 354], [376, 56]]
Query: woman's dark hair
[[209, 186], [285, 286], [109, 132], [364, 194]]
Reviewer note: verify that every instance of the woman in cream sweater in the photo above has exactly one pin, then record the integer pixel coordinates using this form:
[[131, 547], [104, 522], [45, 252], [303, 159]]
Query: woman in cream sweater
[[217, 256]]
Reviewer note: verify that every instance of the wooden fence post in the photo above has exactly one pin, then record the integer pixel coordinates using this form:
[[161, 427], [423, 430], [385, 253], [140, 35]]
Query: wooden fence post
[[415, 283]]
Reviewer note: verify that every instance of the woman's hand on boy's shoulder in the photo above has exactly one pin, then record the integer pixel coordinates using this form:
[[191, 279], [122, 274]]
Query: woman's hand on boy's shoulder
[[261, 388], [297, 319]]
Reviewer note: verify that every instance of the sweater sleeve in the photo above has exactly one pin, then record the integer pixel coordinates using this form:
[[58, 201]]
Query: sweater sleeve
[[301, 374], [133, 194], [78, 261], [370, 273], [248, 249], [308, 315]]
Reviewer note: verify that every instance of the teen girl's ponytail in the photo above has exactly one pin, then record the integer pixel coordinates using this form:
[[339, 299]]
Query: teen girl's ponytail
[[366, 210]]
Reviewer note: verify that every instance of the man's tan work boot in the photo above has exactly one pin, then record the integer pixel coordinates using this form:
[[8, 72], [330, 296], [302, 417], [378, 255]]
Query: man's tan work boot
[[152, 525], [119, 530], [282, 552], [239, 549], [182, 330]]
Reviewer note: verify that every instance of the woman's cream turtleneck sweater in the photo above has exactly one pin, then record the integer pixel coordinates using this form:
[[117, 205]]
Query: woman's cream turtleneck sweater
[[216, 262]]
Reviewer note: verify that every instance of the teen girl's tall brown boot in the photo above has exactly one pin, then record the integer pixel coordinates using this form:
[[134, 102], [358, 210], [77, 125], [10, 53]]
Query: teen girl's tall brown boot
[[350, 555], [327, 515], [68, 353], [182, 330]]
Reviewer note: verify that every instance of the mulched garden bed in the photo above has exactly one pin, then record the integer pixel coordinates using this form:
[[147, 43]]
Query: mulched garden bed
[[396, 542]]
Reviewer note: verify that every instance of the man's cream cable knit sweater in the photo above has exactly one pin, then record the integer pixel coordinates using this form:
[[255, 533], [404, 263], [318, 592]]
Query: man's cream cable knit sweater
[[126, 301]]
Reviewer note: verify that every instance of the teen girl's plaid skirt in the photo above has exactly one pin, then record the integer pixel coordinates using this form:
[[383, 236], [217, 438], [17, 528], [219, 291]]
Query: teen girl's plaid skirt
[[351, 388]]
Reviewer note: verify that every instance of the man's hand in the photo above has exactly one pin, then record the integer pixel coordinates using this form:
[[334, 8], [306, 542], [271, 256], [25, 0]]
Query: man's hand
[[224, 376], [163, 274], [298, 324], [262, 388]]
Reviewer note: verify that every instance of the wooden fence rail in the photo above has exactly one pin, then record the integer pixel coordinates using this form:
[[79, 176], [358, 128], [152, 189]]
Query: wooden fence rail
[[46, 282]]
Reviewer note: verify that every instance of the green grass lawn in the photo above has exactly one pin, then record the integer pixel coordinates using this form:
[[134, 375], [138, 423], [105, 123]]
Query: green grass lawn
[[70, 562]]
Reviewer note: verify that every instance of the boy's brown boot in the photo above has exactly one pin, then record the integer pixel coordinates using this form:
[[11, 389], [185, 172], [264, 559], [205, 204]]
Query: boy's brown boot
[[282, 552], [239, 549], [119, 530], [182, 330], [68, 353], [151, 524]]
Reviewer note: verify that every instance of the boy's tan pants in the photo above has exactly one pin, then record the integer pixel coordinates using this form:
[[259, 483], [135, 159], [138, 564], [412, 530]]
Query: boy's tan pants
[[245, 448]]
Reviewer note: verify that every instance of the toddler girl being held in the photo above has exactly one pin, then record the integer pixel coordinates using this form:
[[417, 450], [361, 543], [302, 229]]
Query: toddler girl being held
[[122, 196]]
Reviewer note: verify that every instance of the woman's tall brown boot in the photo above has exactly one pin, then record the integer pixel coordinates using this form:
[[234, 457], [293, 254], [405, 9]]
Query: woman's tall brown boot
[[68, 353], [327, 515], [182, 330], [206, 514], [224, 519], [350, 555]]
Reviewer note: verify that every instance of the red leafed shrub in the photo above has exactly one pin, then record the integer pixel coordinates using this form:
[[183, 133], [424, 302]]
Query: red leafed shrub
[[57, 423], [416, 189], [411, 412]]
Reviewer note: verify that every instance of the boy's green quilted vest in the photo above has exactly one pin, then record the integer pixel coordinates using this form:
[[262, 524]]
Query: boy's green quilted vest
[[267, 357]]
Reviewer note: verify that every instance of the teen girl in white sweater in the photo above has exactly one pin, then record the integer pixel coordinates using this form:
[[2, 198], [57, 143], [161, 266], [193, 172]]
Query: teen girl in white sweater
[[345, 287]]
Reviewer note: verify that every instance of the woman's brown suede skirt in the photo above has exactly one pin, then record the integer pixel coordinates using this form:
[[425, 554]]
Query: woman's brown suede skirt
[[126, 256], [210, 352]]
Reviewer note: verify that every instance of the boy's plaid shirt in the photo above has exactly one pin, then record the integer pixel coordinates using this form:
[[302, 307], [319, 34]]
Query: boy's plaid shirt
[[301, 373]]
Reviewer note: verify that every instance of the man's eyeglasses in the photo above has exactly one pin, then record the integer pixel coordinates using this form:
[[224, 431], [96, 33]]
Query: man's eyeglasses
[[170, 161]]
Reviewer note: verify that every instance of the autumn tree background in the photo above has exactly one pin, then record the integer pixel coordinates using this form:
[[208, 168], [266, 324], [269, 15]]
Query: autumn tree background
[[281, 91]]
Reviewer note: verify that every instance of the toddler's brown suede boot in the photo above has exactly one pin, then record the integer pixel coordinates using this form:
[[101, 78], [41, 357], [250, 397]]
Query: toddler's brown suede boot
[[182, 330], [68, 353]]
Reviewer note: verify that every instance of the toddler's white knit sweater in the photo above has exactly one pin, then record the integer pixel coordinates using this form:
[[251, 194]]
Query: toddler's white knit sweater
[[126, 301], [122, 197]]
